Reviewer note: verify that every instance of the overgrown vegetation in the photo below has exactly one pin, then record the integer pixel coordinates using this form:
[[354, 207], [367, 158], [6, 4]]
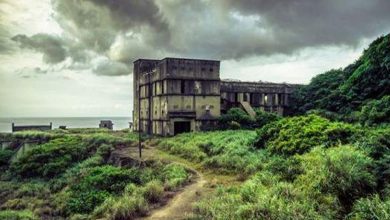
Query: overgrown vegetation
[[331, 163], [68, 176], [360, 92], [236, 118]]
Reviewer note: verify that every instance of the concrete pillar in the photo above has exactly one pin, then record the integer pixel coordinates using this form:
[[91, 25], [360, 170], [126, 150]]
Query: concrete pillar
[[285, 99], [276, 98], [262, 99], [270, 99]]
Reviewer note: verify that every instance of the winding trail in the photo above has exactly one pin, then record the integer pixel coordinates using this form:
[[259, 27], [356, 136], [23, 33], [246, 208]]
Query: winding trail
[[180, 206]]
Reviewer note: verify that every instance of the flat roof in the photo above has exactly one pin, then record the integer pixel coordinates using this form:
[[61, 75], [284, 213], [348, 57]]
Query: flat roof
[[176, 58]]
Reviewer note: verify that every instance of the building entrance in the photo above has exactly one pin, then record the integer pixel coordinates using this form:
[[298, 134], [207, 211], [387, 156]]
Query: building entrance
[[182, 127]]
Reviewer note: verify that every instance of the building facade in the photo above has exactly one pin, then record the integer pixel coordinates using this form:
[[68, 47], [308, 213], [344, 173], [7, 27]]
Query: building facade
[[176, 95]]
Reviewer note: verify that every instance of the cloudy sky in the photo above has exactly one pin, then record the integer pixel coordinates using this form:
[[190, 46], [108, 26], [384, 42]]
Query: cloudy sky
[[74, 57]]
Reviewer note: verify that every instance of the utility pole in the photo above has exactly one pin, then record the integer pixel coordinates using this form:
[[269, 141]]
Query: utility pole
[[139, 117], [139, 109]]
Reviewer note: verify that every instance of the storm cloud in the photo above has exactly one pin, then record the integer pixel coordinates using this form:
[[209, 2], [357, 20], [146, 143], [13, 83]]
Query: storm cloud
[[121, 31], [51, 47]]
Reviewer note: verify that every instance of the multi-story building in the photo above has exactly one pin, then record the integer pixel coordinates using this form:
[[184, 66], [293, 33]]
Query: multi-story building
[[176, 95]]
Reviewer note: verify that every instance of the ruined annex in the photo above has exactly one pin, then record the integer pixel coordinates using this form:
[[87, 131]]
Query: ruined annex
[[176, 95]]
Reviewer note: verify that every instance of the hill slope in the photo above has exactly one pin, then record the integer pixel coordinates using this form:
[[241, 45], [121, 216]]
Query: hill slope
[[347, 91]]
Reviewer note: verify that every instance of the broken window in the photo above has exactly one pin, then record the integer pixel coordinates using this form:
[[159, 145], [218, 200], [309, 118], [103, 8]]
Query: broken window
[[182, 86]]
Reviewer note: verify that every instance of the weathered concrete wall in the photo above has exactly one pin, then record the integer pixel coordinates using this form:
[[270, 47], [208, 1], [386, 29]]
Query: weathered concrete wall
[[189, 90]]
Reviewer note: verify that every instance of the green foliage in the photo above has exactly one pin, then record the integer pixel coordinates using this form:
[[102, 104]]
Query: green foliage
[[17, 215], [125, 207], [174, 175], [346, 91], [299, 134], [97, 185], [153, 191], [228, 151], [5, 156], [322, 184], [376, 142], [236, 118], [371, 208], [376, 112], [264, 196], [50, 159], [341, 171]]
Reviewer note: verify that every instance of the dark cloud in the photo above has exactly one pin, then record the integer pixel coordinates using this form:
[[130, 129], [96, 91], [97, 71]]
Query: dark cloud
[[121, 31], [51, 46], [302, 23], [111, 68], [96, 23], [5, 43]]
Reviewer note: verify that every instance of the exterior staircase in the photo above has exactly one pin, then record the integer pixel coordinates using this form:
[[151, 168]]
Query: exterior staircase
[[248, 108]]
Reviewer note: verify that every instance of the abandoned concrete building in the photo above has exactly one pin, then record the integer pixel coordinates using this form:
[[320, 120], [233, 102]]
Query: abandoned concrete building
[[176, 95]]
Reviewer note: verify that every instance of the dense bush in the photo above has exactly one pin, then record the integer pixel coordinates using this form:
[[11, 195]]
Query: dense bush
[[371, 208], [376, 142], [344, 171], [96, 185], [236, 118], [228, 151], [5, 156], [264, 196], [50, 159], [323, 184], [174, 175], [17, 215], [299, 134], [346, 91], [376, 112]]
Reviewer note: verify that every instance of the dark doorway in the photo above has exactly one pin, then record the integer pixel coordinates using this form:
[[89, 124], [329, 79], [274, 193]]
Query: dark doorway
[[182, 127]]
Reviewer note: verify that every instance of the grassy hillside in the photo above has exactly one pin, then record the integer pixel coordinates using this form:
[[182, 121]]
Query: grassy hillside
[[68, 175], [359, 92], [303, 167], [332, 162]]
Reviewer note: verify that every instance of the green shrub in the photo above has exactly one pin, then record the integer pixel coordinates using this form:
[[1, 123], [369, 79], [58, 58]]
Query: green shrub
[[96, 185], [263, 118], [153, 191], [228, 151], [376, 112], [341, 171], [299, 134], [264, 196], [50, 159], [17, 215], [371, 208], [287, 168], [5, 156], [235, 118], [125, 207], [174, 175], [376, 142]]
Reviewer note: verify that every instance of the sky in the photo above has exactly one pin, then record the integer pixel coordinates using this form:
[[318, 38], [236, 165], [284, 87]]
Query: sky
[[73, 58]]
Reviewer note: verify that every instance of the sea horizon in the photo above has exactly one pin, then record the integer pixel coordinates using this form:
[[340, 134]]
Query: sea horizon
[[120, 122]]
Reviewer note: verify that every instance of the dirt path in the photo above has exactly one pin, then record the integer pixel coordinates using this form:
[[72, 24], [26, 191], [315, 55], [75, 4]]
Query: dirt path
[[181, 204]]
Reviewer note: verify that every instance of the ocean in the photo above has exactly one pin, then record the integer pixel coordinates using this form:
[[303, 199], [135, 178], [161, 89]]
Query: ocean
[[69, 122]]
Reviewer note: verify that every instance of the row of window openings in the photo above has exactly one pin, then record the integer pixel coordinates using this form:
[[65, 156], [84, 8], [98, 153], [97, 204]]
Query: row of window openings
[[203, 69], [182, 88], [266, 99], [206, 107]]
